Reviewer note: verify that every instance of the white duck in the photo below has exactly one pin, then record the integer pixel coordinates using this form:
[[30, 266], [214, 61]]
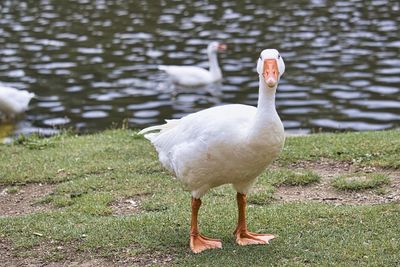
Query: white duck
[[13, 101], [196, 76], [229, 144]]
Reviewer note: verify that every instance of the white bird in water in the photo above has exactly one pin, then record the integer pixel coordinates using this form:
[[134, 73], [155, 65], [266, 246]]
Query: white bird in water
[[13, 102], [191, 76], [230, 144]]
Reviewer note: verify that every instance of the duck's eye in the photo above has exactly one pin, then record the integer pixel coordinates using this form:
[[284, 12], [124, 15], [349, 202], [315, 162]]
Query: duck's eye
[[279, 56], [260, 58]]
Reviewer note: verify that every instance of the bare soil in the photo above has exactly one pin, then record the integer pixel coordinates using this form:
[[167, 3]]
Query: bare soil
[[42, 256], [324, 192], [128, 206], [24, 200]]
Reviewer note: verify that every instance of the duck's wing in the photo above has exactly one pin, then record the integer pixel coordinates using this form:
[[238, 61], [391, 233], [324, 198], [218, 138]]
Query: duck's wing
[[187, 75], [208, 127]]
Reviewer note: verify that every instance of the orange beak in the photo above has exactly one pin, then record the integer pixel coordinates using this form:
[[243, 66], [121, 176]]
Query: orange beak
[[270, 72], [221, 47]]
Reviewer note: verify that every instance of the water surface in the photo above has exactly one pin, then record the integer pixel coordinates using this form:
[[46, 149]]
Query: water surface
[[93, 64]]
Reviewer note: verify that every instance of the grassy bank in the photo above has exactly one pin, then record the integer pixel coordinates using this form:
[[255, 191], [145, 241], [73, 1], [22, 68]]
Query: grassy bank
[[108, 201]]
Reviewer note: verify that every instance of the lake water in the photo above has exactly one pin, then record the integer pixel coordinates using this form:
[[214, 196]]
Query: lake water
[[93, 64]]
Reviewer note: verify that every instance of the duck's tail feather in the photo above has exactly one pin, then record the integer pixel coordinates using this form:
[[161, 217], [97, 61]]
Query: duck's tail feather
[[149, 132]]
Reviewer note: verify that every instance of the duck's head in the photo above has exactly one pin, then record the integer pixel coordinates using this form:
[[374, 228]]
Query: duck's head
[[270, 67], [215, 47]]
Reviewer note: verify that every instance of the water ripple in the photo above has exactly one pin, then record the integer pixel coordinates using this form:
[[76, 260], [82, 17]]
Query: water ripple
[[95, 64]]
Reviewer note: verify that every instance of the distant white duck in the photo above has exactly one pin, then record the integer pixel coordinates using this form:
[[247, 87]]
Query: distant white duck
[[195, 76], [229, 144], [13, 102]]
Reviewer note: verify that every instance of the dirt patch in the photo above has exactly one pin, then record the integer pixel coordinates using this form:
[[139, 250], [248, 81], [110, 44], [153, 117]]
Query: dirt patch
[[23, 199], [46, 254], [6, 258], [148, 259], [128, 206], [324, 192], [36, 262]]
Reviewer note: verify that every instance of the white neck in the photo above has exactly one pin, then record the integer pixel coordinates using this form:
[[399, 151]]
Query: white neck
[[266, 116], [214, 67], [266, 97]]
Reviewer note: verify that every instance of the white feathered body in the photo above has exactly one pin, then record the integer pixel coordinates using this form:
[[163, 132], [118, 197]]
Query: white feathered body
[[229, 144], [190, 75], [14, 101]]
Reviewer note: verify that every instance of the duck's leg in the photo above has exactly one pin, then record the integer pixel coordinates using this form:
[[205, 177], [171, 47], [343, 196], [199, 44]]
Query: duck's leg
[[198, 242], [244, 237]]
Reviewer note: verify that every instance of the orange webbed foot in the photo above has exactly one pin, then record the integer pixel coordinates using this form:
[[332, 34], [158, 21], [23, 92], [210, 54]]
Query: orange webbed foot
[[245, 238], [199, 243]]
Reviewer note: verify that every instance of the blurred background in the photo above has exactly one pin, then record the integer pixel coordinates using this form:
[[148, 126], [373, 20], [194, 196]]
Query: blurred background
[[93, 64]]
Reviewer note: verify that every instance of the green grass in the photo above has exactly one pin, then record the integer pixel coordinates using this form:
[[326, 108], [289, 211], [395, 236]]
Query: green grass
[[381, 149], [92, 172], [289, 177], [12, 190], [360, 181]]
